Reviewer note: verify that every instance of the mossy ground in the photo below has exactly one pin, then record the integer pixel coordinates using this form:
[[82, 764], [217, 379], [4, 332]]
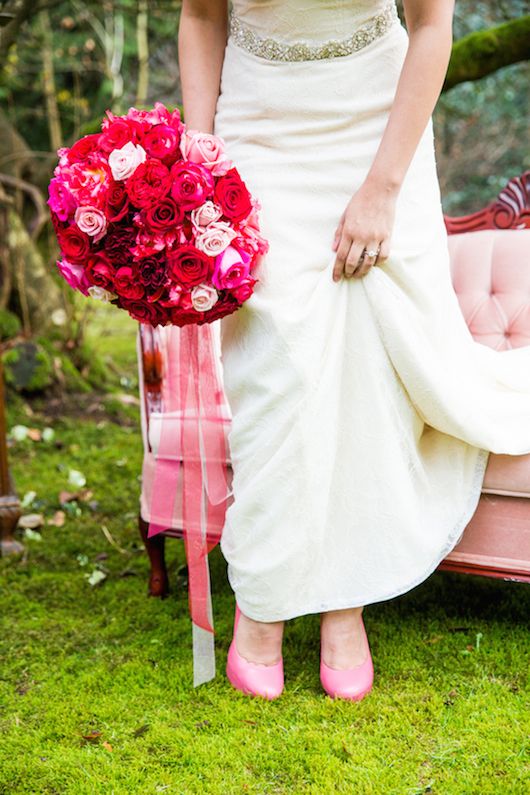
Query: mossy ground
[[96, 692]]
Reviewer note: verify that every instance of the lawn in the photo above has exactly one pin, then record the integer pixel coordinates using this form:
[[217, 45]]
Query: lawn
[[96, 692]]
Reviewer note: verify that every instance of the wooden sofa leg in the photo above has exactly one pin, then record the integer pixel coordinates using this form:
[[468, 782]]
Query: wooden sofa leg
[[155, 547]]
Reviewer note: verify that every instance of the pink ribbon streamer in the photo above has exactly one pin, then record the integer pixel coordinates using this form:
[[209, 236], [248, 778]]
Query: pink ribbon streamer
[[193, 447]]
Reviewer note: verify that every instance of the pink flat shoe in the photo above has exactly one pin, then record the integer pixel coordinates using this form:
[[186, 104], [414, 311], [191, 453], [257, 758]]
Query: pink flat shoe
[[256, 679], [351, 683]]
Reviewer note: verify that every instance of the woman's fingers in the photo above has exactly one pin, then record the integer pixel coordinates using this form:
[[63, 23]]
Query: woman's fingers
[[352, 260], [368, 260]]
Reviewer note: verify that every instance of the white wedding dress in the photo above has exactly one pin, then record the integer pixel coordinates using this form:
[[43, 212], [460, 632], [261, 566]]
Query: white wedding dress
[[363, 411]]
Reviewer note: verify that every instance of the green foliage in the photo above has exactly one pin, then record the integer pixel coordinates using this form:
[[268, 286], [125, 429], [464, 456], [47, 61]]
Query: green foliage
[[10, 324], [28, 367]]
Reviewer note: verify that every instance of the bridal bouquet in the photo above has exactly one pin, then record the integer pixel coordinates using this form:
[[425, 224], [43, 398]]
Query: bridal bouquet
[[155, 218]]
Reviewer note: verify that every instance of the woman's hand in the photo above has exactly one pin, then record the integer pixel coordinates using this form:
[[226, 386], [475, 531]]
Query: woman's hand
[[366, 223]]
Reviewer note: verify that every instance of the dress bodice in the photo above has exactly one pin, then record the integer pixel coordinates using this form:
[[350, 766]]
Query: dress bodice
[[306, 20]]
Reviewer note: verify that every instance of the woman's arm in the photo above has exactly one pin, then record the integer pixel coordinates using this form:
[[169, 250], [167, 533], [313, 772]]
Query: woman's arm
[[368, 218], [202, 35]]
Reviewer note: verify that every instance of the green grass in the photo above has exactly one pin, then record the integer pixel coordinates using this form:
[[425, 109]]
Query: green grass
[[448, 713]]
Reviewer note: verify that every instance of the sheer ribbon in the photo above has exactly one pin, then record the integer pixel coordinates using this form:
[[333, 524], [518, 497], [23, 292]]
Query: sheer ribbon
[[190, 483]]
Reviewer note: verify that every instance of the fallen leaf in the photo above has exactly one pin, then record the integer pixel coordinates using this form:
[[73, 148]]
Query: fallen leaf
[[32, 535], [76, 478], [107, 746], [92, 736], [96, 577], [34, 434], [141, 730], [58, 519], [435, 639], [31, 520]]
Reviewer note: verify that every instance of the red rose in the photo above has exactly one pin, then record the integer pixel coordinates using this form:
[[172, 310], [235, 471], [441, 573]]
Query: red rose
[[189, 266], [149, 183], [116, 202], [126, 283], [165, 214], [182, 317], [232, 194], [224, 306], [75, 244], [192, 184], [152, 272], [117, 133], [83, 148], [99, 271], [144, 312], [162, 142], [117, 244]]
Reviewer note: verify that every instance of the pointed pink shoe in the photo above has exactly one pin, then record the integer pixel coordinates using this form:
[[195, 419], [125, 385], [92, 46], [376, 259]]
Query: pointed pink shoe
[[256, 679], [351, 683]]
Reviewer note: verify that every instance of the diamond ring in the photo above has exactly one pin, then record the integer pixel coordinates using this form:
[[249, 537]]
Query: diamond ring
[[371, 253]]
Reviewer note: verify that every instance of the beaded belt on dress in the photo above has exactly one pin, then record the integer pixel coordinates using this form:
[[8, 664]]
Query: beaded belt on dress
[[276, 50]]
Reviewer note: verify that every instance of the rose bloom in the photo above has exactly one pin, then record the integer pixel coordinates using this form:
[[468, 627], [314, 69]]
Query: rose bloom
[[188, 266], [61, 200], [74, 275], [124, 162], [162, 142], [100, 293], [232, 194], [191, 184], [207, 150], [215, 238], [100, 271], [152, 272], [116, 202], [244, 290], [149, 184], [91, 221], [74, 244], [117, 132], [118, 244], [87, 181], [165, 214], [203, 297], [126, 283], [82, 149], [224, 306], [205, 214], [231, 268], [144, 312]]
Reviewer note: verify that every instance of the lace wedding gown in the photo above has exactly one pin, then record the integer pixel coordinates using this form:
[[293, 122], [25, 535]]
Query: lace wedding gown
[[363, 411]]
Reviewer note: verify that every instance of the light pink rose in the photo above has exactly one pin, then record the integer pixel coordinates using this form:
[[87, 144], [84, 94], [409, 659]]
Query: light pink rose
[[215, 238], [74, 275], [124, 162], [100, 293], [203, 297], [206, 149], [231, 268], [91, 221], [206, 214]]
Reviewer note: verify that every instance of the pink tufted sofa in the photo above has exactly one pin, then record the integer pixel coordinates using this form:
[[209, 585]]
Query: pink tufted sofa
[[490, 265]]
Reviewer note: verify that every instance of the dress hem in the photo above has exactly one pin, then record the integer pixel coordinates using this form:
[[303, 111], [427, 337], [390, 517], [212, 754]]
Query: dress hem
[[452, 541]]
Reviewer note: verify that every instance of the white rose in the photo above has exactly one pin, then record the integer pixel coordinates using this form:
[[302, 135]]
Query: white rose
[[206, 214], [203, 297], [100, 293], [91, 221], [215, 238], [124, 162]]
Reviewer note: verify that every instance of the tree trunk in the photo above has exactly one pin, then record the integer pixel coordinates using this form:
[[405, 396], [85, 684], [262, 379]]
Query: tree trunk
[[479, 54], [35, 290], [143, 52], [49, 88]]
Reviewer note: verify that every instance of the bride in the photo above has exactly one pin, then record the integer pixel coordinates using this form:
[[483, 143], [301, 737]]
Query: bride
[[363, 411]]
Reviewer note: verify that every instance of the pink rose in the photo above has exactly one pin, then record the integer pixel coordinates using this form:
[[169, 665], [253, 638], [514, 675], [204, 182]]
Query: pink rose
[[231, 268], [162, 142], [206, 149], [61, 201], [215, 238], [126, 283], [244, 290], [203, 297], [74, 275], [91, 221], [191, 185], [124, 162], [205, 214]]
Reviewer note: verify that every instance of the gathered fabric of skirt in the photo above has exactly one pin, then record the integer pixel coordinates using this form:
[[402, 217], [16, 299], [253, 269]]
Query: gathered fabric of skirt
[[363, 411]]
